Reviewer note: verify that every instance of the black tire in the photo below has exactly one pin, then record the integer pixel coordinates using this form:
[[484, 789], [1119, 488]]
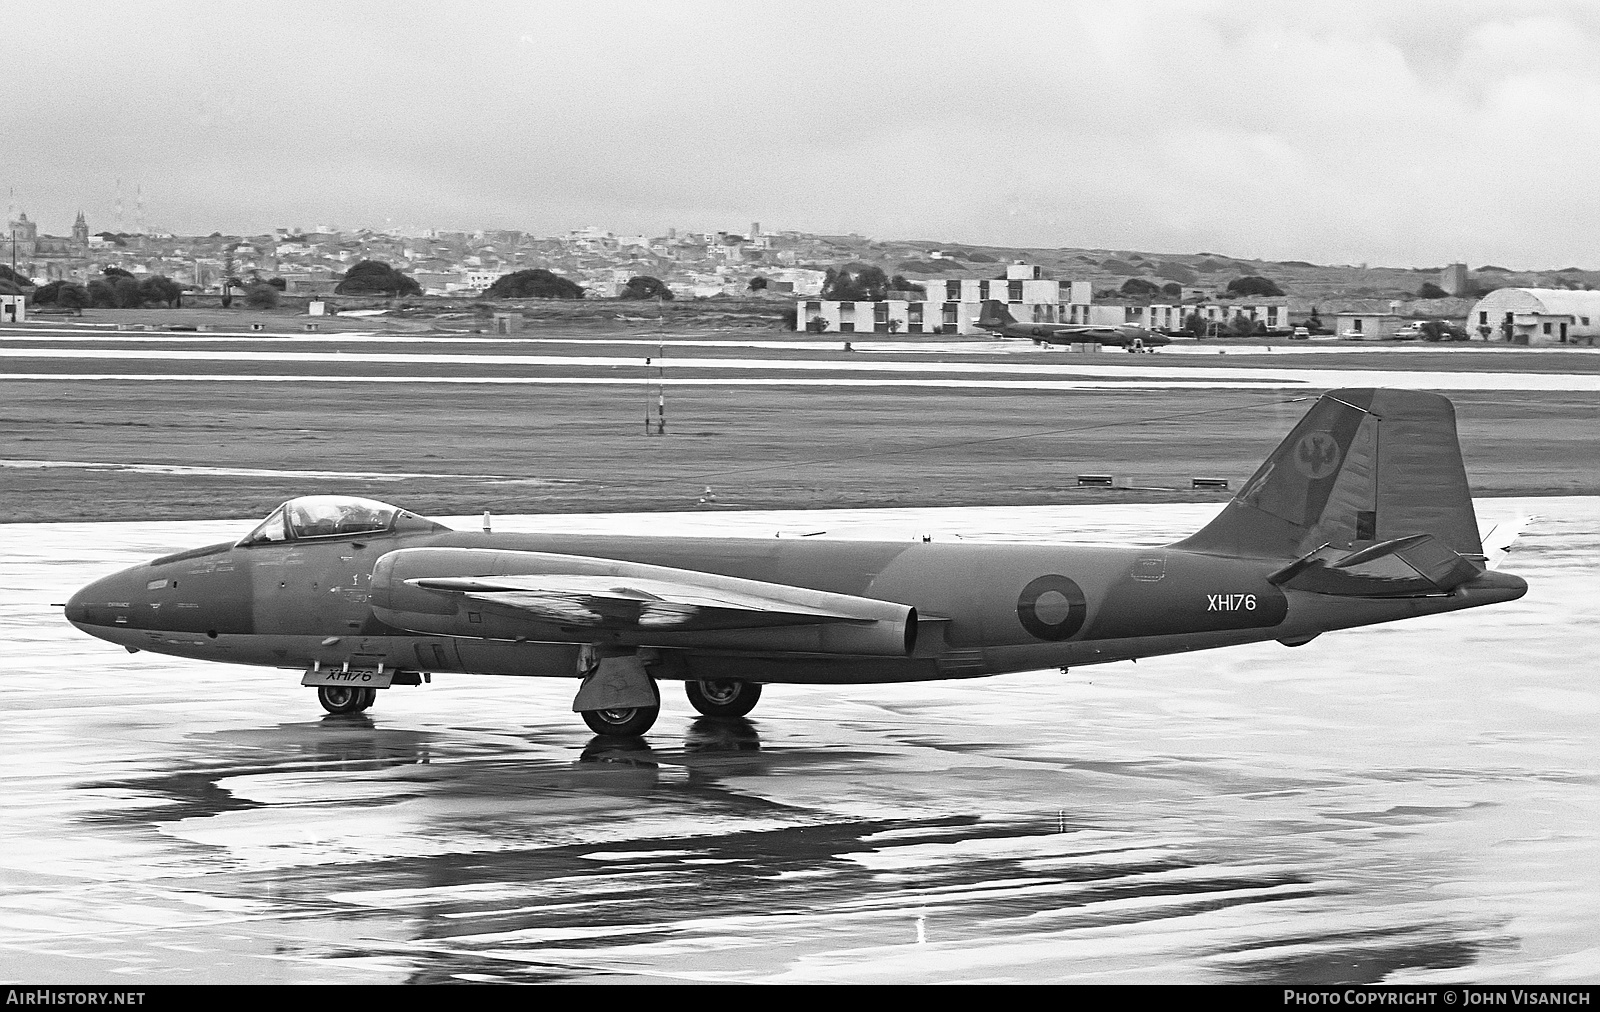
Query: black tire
[[723, 697], [626, 723], [368, 697], [342, 698]]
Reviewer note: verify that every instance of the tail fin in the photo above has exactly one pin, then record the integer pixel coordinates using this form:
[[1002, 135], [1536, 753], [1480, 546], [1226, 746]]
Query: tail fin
[[995, 315], [1362, 467]]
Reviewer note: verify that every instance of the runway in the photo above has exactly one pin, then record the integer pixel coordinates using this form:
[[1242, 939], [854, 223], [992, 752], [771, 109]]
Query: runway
[[758, 373], [1410, 803]]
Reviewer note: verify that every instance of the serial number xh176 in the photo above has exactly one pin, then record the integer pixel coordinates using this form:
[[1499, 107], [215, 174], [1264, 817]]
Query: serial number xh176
[[1361, 515]]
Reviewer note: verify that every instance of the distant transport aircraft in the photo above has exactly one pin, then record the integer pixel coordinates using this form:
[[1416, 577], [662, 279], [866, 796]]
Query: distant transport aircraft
[[1361, 515], [997, 318]]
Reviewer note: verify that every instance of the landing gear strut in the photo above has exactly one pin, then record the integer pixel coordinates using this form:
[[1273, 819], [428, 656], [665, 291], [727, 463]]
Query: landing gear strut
[[345, 698], [720, 697]]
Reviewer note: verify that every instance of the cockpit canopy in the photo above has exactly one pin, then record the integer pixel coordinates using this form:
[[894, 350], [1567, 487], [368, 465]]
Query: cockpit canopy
[[332, 516]]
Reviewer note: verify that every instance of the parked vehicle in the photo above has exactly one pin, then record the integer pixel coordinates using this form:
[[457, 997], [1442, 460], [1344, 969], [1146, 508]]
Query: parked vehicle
[[1301, 334]]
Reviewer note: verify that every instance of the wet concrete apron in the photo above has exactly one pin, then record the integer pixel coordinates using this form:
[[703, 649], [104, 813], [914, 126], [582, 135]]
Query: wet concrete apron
[[1403, 803]]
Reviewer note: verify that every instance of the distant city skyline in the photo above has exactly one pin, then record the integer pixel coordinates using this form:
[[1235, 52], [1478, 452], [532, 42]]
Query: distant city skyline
[[1328, 132]]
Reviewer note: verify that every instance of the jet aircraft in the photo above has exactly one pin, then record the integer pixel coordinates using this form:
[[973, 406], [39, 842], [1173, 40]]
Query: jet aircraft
[[997, 318], [1361, 515]]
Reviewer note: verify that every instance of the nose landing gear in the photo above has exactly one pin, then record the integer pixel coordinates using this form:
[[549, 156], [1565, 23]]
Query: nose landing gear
[[345, 698]]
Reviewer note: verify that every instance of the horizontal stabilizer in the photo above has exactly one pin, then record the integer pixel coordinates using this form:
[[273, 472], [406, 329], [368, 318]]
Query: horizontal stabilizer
[[1418, 566], [1498, 542]]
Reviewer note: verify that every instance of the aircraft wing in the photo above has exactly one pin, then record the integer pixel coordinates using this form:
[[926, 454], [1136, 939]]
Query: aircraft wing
[[550, 597], [621, 602]]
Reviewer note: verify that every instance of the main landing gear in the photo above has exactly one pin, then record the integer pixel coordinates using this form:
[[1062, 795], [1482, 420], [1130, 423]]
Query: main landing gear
[[345, 698], [627, 722], [723, 697], [619, 698]]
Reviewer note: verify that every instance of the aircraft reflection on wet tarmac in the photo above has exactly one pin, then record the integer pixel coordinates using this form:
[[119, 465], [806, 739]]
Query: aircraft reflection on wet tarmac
[[1405, 803]]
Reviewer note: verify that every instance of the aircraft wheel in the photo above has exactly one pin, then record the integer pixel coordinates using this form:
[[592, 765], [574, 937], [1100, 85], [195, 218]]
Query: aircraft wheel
[[625, 723], [723, 697], [368, 697], [342, 698]]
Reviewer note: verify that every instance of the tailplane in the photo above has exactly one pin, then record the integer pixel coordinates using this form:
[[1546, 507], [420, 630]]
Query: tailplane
[[1363, 468]]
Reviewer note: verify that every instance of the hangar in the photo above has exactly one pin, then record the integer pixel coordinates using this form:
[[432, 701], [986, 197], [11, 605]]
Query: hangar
[[1536, 316]]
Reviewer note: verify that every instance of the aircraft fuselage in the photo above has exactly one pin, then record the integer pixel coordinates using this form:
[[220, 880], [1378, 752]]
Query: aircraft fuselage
[[980, 609]]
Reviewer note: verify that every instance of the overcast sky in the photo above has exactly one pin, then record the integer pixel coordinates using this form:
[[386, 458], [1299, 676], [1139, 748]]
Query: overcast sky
[[1406, 134]]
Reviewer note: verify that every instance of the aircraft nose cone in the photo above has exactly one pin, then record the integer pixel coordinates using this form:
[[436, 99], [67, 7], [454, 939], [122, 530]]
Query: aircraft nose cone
[[103, 601], [77, 611]]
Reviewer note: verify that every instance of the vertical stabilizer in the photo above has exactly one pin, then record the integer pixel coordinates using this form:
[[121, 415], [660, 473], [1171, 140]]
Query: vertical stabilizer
[[1362, 467], [994, 315]]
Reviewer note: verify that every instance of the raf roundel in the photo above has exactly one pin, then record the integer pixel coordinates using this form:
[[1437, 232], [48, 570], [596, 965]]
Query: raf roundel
[[1317, 455], [1051, 607]]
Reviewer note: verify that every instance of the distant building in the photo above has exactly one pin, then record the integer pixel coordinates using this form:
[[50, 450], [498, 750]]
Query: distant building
[[13, 308], [953, 305], [479, 281], [1453, 279], [802, 281], [1536, 316], [1367, 326]]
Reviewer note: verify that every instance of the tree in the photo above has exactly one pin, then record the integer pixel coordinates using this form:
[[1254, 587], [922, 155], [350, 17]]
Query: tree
[[102, 295], [17, 278], [1243, 325], [45, 295], [1429, 290], [126, 290], [1439, 330], [645, 287], [1139, 288], [261, 296], [757, 284], [116, 272], [1195, 324], [868, 284], [373, 277], [899, 283], [534, 284], [1314, 321], [1253, 285], [71, 296], [873, 283], [1172, 290], [157, 288], [278, 283]]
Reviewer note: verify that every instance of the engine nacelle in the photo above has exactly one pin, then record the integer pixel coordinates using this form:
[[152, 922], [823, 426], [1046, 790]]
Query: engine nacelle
[[401, 597]]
